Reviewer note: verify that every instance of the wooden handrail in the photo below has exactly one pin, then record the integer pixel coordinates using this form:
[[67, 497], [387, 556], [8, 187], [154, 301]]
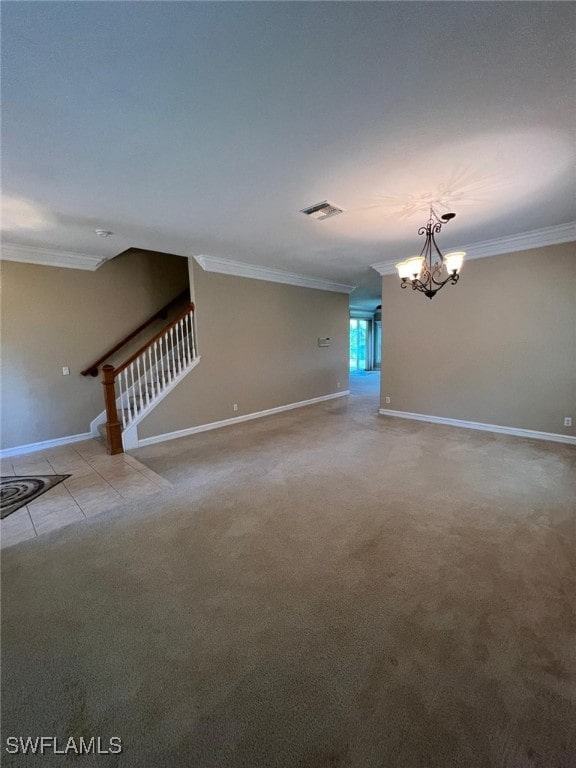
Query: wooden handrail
[[144, 347], [92, 369]]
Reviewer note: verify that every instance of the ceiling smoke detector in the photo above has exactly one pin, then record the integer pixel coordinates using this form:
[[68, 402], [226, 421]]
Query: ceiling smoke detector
[[322, 210]]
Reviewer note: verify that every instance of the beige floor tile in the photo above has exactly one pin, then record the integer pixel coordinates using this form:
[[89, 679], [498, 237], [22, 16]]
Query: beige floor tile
[[24, 466], [95, 505], [91, 448], [17, 520], [133, 462], [16, 527], [117, 470], [90, 480], [132, 488], [75, 466], [99, 482], [99, 462], [51, 503], [59, 451], [6, 467], [158, 479], [57, 492], [30, 456], [146, 471], [103, 492], [51, 518]]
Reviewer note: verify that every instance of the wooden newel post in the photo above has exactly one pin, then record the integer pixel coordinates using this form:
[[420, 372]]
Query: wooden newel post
[[113, 428]]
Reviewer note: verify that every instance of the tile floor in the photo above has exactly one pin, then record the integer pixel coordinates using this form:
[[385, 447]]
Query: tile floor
[[98, 482]]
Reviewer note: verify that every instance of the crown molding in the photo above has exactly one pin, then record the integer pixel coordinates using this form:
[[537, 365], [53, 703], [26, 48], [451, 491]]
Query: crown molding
[[48, 257], [241, 269], [538, 238]]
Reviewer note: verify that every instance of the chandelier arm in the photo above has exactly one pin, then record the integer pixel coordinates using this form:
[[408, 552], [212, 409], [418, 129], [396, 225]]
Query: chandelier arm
[[435, 244], [418, 285], [452, 278], [441, 282]]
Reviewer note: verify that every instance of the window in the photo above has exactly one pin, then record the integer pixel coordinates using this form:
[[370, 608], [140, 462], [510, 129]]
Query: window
[[377, 343], [359, 334]]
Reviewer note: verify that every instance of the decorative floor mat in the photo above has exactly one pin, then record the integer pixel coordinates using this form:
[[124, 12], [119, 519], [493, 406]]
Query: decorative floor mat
[[19, 490]]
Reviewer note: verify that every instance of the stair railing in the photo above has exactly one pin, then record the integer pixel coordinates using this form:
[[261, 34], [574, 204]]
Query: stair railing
[[162, 314], [140, 379]]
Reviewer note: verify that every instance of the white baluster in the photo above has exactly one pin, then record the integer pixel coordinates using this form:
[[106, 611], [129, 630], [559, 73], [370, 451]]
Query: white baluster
[[189, 339], [149, 383], [126, 404], [175, 345], [179, 360], [149, 376], [167, 359], [156, 376], [131, 405], [162, 372], [194, 346], [173, 356], [182, 343], [183, 360], [139, 401], [186, 332], [122, 396]]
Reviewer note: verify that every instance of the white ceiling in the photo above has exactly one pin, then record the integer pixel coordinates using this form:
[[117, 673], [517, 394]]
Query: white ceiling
[[204, 128]]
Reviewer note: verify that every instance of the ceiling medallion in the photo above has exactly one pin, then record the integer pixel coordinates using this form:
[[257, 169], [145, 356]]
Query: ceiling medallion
[[430, 271]]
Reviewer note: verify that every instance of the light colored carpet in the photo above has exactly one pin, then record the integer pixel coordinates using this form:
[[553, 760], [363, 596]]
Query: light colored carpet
[[324, 588]]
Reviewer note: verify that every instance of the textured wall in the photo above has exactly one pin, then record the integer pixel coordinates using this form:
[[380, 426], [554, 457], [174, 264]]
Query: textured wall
[[498, 348], [259, 347], [54, 317]]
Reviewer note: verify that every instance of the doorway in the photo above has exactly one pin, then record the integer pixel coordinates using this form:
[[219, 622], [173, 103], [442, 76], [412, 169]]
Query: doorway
[[359, 334]]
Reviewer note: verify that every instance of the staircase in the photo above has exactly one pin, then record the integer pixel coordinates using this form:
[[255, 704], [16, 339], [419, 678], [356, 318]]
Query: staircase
[[134, 388]]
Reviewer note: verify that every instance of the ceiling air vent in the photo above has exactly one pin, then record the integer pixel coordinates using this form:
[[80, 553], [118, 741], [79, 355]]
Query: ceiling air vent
[[322, 210]]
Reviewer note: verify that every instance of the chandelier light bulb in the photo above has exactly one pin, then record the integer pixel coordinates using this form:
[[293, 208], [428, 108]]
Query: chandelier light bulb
[[403, 270], [454, 261], [414, 266]]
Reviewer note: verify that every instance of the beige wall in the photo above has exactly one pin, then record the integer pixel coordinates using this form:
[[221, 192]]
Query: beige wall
[[259, 347], [54, 317], [498, 348]]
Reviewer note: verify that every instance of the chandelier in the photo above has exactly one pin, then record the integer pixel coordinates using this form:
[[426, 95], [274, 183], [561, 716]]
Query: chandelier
[[431, 270]]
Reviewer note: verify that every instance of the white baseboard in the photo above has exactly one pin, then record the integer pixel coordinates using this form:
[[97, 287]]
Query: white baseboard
[[20, 449], [236, 419], [532, 433]]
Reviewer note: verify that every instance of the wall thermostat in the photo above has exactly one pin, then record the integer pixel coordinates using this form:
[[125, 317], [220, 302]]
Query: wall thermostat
[[324, 342]]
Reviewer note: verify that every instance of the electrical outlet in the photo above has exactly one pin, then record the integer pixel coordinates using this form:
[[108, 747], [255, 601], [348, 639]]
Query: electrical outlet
[[338, 384], [387, 399], [65, 371], [235, 407], [568, 421]]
